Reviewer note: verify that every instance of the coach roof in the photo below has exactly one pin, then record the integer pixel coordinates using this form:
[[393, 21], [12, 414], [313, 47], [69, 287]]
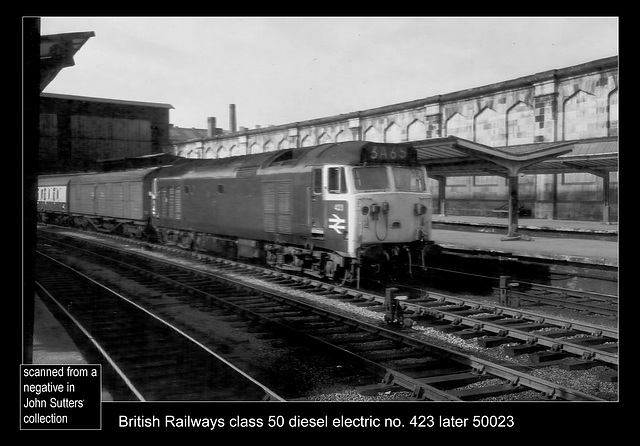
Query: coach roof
[[114, 177]]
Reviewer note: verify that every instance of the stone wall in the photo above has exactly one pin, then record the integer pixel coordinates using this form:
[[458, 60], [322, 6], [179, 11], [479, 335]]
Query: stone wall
[[578, 102]]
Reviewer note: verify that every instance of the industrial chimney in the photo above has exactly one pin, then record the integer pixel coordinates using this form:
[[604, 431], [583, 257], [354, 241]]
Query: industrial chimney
[[232, 117], [211, 126]]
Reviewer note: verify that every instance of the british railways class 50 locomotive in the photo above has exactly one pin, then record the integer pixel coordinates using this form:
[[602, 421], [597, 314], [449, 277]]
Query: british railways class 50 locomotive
[[327, 210]]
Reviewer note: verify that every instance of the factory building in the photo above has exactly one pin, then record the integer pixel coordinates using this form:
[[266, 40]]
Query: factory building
[[77, 132]]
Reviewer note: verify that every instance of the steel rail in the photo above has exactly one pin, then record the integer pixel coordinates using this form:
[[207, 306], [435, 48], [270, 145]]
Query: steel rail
[[41, 289], [505, 331], [593, 306], [589, 353], [417, 387], [427, 391], [269, 394]]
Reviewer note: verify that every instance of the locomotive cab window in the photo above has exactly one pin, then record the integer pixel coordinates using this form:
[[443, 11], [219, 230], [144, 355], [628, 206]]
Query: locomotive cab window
[[337, 181], [371, 178], [408, 179]]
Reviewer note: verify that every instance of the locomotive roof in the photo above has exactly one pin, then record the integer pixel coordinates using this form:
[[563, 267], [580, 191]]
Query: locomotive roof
[[347, 153]]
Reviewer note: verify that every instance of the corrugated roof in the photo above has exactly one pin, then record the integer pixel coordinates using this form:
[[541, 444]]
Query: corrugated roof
[[181, 134], [453, 156], [105, 100], [596, 156]]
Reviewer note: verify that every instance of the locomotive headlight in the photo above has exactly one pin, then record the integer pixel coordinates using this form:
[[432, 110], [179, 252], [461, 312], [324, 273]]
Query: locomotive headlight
[[419, 209], [365, 210]]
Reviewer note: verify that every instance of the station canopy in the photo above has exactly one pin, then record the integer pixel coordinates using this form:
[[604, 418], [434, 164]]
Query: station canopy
[[57, 52], [453, 156]]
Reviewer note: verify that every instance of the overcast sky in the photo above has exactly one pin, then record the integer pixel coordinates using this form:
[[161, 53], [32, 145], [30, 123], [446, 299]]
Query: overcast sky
[[283, 70]]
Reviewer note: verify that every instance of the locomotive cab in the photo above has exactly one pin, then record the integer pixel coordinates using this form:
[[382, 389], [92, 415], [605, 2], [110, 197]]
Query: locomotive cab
[[376, 211], [392, 216]]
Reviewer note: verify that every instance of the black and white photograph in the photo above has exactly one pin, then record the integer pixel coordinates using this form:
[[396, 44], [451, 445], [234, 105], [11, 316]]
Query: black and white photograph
[[319, 225]]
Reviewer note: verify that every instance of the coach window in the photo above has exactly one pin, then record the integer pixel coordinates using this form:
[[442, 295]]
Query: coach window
[[337, 182]]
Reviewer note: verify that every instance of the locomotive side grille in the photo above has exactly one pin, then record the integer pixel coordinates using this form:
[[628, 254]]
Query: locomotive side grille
[[178, 202], [171, 203], [284, 224], [269, 204], [284, 207], [246, 172], [276, 199]]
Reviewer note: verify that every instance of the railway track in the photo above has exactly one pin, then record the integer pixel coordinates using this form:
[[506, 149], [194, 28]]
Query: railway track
[[522, 292], [400, 362], [597, 303], [149, 359], [546, 339]]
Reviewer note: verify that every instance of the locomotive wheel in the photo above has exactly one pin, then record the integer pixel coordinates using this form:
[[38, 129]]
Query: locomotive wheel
[[407, 322]]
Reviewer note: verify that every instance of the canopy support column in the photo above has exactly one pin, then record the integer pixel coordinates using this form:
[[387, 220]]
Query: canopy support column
[[442, 188], [512, 183], [606, 199]]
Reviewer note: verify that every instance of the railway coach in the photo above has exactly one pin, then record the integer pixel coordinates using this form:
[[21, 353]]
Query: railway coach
[[324, 210], [117, 202], [53, 191]]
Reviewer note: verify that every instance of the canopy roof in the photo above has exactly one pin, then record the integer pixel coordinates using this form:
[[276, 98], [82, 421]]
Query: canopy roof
[[453, 156]]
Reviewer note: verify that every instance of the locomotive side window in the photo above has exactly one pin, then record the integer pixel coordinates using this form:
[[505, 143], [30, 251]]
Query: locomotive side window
[[337, 181], [317, 181]]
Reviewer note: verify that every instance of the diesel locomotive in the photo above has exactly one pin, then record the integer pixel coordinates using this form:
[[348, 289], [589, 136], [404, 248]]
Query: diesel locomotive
[[332, 211]]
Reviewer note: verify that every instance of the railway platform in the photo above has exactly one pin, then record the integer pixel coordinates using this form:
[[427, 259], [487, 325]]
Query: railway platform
[[51, 342], [550, 240]]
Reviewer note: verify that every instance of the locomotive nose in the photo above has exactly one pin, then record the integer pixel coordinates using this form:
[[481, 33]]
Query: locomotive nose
[[397, 218]]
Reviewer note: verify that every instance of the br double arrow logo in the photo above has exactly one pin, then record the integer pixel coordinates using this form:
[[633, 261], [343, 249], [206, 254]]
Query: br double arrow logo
[[337, 224]]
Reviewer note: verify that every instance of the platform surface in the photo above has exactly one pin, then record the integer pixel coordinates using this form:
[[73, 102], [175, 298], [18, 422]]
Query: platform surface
[[51, 342], [487, 234], [593, 227]]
